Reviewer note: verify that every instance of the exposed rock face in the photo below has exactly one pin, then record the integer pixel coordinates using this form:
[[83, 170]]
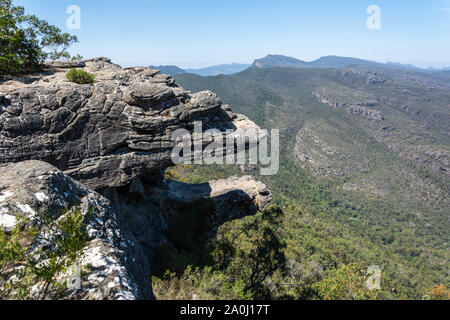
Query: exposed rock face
[[370, 114], [122, 233], [105, 134], [59, 141], [371, 77], [354, 102], [233, 198], [33, 187]]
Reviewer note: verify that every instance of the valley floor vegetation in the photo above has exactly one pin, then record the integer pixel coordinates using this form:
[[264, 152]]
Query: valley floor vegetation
[[290, 252], [354, 190]]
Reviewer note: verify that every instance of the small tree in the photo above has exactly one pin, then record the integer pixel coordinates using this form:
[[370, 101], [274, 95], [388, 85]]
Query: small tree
[[23, 265], [26, 41], [54, 42]]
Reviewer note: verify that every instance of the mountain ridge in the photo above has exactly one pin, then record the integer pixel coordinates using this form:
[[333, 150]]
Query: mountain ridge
[[283, 61], [330, 61]]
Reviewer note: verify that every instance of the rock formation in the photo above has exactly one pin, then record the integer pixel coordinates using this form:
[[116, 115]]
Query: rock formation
[[105, 134], [370, 114], [104, 147], [31, 188], [355, 103]]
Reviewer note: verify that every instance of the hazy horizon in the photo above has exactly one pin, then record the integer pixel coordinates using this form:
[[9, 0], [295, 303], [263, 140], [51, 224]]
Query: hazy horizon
[[251, 62]]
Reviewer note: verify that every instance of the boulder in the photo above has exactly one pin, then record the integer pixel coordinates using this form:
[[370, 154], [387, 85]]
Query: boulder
[[116, 266]]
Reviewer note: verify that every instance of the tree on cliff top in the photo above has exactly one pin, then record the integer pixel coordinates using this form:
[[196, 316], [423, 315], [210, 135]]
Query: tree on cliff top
[[26, 41]]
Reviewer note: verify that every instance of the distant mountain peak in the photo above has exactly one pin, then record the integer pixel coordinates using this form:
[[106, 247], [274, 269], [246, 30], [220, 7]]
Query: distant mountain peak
[[225, 69], [331, 61], [278, 60]]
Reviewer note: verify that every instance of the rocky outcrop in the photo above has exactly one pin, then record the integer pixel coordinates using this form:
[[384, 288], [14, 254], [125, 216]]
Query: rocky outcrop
[[60, 141], [122, 232], [327, 98], [354, 102], [31, 188], [106, 134], [233, 198], [370, 76], [437, 160], [370, 114]]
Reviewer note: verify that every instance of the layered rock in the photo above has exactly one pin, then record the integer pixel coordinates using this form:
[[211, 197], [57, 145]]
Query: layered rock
[[233, 198], [123, 233], [355, 103], [108, 133], [60, 141]]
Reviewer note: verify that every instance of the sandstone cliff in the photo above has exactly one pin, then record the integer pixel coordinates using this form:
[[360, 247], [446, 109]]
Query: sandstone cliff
[[104, 147], [105, 134]]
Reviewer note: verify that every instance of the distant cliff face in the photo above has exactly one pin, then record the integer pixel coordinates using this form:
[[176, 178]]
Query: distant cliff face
[[105, 134]]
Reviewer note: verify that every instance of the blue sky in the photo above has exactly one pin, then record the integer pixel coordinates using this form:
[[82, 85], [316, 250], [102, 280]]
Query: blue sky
[[198, 33]]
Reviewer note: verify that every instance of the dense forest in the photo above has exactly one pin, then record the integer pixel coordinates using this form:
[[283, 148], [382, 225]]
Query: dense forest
[[370, 194]]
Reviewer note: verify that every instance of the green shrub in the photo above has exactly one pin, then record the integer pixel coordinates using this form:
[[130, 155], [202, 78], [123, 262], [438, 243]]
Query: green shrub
[[80, 76], [23, 267], [199, 284]]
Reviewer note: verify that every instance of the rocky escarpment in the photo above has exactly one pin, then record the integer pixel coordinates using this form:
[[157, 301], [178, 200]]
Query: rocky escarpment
[[355, 103], [438, 160], [119, 256], [103, 148], [374, 115], [317, 149]]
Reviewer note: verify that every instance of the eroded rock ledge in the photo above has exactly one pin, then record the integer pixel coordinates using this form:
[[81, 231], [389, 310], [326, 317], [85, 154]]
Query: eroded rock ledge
[[105, 134]]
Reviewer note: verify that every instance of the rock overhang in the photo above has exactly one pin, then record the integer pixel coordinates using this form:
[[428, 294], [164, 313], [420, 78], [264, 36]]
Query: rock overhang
[[108, 133]]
